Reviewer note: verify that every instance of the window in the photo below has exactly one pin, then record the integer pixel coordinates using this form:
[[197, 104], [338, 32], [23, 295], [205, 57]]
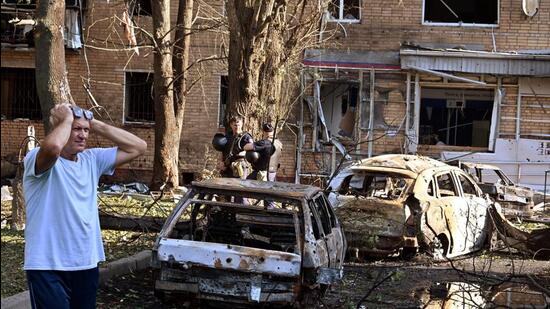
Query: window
[[456, 117], [140, 7], [139, 97], [446, 185], [17, 26], [345, 10], [314, 221], [224, 99], [19, 98], [479, 12], [467, 186]]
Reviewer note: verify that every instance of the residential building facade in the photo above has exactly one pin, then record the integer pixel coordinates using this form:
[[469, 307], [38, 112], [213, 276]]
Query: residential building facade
[[453, 79]]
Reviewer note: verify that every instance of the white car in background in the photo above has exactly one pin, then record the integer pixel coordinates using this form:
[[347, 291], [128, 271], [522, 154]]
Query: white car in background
[[398, 204]]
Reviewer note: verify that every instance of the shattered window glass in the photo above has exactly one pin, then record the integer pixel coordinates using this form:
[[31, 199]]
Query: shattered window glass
[[344, 9], [239, 220], [446, 185], [467, 185], [375, 185]]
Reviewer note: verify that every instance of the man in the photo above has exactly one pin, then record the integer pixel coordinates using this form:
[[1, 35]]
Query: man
[[63, 242], [233, 163], [265, 149]]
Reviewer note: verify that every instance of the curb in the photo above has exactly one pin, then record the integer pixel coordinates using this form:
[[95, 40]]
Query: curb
[[138, 261]]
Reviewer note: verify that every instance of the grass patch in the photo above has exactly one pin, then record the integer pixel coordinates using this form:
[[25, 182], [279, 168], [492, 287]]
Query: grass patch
[[117, 244]]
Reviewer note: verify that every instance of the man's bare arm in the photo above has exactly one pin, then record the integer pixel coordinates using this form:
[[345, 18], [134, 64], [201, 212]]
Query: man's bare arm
[[129, 145], [52, 145]]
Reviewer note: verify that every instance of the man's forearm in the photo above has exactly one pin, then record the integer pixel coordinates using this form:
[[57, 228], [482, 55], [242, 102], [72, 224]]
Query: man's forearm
[[56, 140], [125, 140]]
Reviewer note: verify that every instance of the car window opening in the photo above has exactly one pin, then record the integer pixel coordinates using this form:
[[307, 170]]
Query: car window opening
[[219, 219]]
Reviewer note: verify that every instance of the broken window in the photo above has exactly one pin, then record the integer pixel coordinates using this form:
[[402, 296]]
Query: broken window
[[139, 97], [17, 24], [140, 7], [374, 185], [446, 185], [467, 186], [461, 11], [224, 99], [19, 98], [345, 10], [213, 218], [458, 117], [339, 102]]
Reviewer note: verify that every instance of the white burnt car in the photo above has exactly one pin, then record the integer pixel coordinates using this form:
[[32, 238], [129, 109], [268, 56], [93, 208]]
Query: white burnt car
[[249, 242], [396, 204]]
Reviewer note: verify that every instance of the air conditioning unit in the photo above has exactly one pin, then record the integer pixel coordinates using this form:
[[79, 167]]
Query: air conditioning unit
[[456, 104]]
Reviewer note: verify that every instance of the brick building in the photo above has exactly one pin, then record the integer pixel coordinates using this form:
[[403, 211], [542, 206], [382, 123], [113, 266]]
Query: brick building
[[472, 75], [453, 79]]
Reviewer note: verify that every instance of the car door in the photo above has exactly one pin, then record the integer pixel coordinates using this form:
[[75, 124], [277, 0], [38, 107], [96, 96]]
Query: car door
[[477, 205], [455, 211], [321, 250], [334, 237]]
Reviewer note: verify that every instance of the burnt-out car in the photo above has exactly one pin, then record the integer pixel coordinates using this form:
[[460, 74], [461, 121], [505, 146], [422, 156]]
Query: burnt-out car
[[249, 242], [514, 199], [396, 204]]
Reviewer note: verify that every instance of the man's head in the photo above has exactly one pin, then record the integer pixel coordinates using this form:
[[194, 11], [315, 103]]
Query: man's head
[[236, 124], [267, 130], [80, 129]]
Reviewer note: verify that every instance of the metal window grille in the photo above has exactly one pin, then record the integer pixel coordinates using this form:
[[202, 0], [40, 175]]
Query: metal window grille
[[140, 104], [19, 98]]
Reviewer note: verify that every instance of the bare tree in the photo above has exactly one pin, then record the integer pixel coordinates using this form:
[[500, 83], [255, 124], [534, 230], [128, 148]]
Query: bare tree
[[170, 66], [52, 84], [267, 41]]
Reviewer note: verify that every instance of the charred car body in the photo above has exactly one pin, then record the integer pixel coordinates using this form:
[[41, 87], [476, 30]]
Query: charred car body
[[246, 241], [515, 200], [394, 204]]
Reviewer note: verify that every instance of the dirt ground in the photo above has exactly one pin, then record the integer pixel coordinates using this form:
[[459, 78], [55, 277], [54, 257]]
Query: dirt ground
[[470, 282]]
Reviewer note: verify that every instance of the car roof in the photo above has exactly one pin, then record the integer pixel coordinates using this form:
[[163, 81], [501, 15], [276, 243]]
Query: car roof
[[274, 188], [407, 165], [480, 166]]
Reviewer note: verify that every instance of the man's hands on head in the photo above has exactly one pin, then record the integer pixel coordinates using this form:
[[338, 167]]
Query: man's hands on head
[[60, 113]]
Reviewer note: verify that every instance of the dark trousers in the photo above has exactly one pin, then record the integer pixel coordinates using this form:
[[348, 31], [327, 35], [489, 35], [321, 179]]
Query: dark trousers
[[63, 289]]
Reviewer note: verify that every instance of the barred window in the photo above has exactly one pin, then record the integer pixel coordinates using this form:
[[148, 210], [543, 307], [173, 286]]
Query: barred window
[[138, 92], [224, 98], [19, 98]]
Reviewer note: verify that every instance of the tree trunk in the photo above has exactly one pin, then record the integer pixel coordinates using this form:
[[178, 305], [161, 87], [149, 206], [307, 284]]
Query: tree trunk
[[52, 84], [166, 138], [18, 202], [181, 58], [255, 50]]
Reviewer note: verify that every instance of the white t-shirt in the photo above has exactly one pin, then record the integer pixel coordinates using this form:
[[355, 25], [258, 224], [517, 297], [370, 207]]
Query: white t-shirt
[[62, 229]]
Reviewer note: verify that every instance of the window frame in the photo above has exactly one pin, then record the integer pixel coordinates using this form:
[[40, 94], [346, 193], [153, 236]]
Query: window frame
[[459, 24], [341, 18], [31, 74], [124, 100], [222, 114], [457, 189], [472, 183]]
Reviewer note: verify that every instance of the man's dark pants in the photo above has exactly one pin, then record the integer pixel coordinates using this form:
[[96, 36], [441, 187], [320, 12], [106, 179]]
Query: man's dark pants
[[63, 289]]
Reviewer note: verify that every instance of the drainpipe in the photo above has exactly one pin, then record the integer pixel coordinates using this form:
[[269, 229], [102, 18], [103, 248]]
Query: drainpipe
[[371, 114], [416, 111], [408, 112], [300, 131], [518, 132], [359, 111]]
